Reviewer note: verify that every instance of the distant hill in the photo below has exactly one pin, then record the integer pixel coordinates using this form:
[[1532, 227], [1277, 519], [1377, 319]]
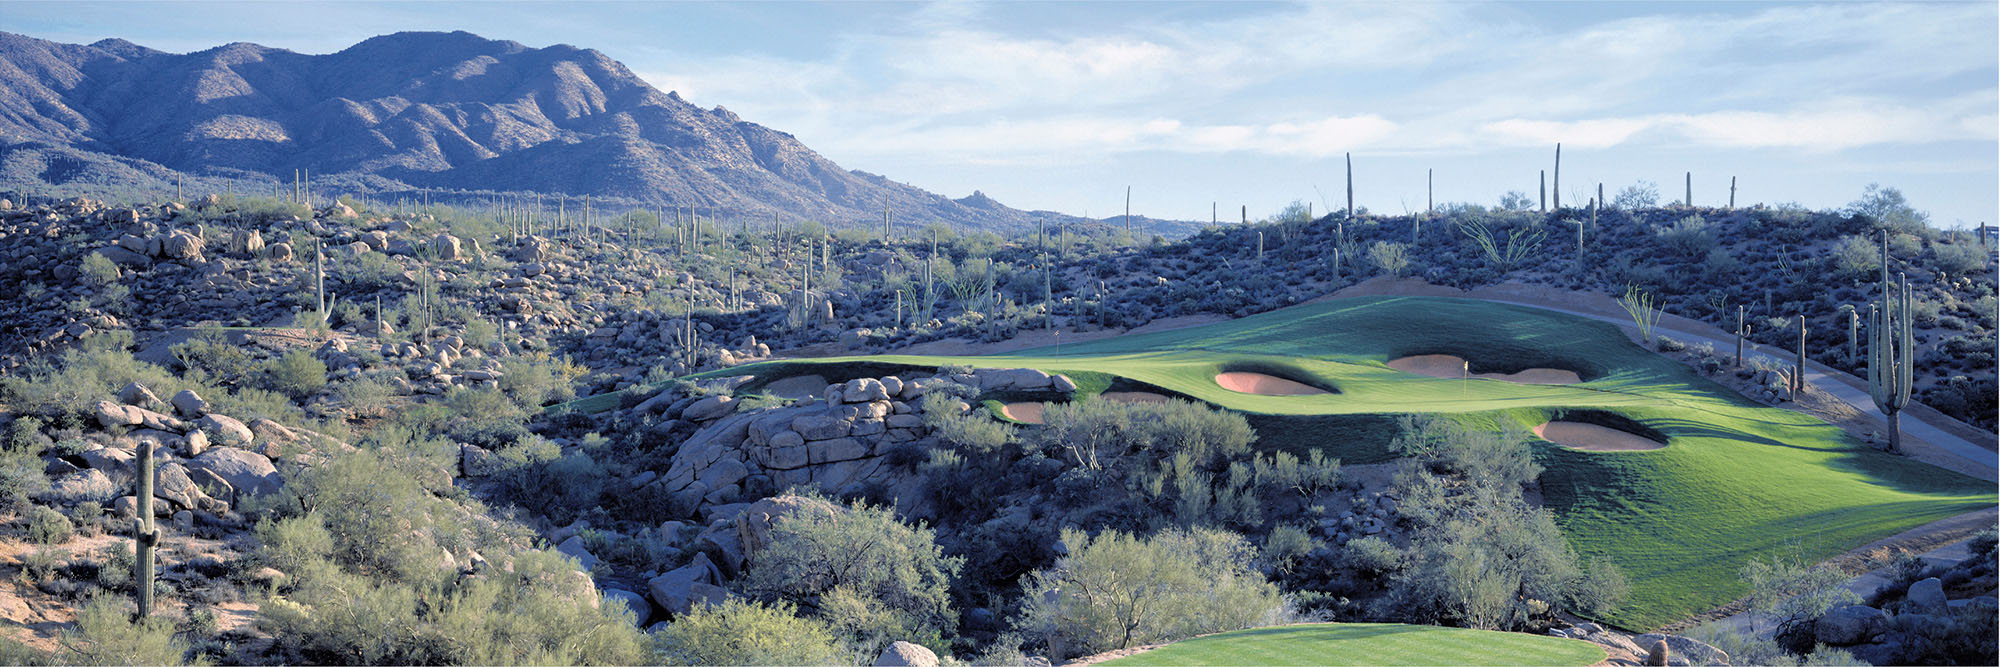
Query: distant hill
[[427, 110]]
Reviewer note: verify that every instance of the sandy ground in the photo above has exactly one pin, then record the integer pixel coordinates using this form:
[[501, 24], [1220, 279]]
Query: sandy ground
[[1593, 438], [1453, 367], [1264, 385], [798, 386], [1031, 412]]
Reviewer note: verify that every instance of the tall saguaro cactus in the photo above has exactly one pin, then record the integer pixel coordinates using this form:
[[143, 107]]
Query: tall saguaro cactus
[[144, 534], [1891, 351], [1799, 367]]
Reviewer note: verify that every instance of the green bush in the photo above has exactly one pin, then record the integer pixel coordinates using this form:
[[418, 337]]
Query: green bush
[[47, 526], [98, 271], [296, 373], [1115, 590], [740, 632], [873, 579], [107, 634], [21, 478]]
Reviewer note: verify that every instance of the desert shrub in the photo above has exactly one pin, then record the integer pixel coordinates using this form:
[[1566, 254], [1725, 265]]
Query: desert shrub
[[1117, 590], [972, 431], [1098, 434], [210, 357], [1689, 236], [47, 526], [480, 332], [1389, 258], [537, 380], [98, 271], [1856, 257], [1670, 344], [1791, 594], [107, 634], [366, 541], [295, 373], [1643, 194], [872, 579], [1960, 258], [539, 476], [1888, 209], [1286, 545], [740, 632], [1984, 542], [1372, 556], [21, 477], [1750, 648]]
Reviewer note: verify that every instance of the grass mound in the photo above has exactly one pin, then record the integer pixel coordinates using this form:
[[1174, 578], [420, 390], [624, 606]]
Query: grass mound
[[1369, 644]]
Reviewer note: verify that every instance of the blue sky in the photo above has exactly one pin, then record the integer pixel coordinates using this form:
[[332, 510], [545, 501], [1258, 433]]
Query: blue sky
[[1061, 105]]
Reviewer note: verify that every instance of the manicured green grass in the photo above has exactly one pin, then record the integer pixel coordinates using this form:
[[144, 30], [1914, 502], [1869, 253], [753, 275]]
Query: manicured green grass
[[1386, 644], [1737, 480]]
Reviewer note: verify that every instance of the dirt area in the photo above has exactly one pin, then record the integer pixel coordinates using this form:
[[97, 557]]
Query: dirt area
[[37, 619], [1593, 438], [1264, 385], [1453, 367], [157, 348], [798, 386]]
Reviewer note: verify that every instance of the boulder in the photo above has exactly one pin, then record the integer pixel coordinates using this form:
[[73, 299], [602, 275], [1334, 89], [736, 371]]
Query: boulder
[[189, 404], [123, 256], [194, 443], [577, 551], [1062, 383], [713, 407], [640, 608], [1013, 378], [679, 590], [1927, 593], [892, 385], [112, 415], [446, 247], [822, 427], [76, 487], [1694, 651], [171, 483], [753, 527], [905, 654], [476, 461], [245, 471], [1850, 624], [278, 252], [225, 430], [181, 245], [136, 394], [863, 390], [246, 242]]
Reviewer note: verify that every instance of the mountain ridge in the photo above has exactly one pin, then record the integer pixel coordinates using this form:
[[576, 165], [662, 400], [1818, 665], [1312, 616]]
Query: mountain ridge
[[429, 110]]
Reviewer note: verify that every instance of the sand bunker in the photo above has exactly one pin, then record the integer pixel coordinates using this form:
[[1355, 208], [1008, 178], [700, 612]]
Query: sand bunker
[[1031, 413], [797, 386], [1453, 367], [1594, 438], [1265, 385], [1026, 413]]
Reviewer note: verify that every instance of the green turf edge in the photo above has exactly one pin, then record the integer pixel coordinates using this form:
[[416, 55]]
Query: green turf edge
[[1385, 644]]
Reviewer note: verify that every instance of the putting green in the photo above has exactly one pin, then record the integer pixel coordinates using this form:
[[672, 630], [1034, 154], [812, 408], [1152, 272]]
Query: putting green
[[1737, 480], [1385, 644]]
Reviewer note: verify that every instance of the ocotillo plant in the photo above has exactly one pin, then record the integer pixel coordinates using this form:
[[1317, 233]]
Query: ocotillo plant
[[1891, 351], [1639, 305], [144, 533]]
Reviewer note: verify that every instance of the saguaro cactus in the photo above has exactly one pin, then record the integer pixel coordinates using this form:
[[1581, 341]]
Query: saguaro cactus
[[1853, 336], [1739, 335], [144, 534], [1558, 184], [1799, 368], [1891, 351], [1350, 185]]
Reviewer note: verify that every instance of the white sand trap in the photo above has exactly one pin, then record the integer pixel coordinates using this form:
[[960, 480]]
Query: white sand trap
[[1453, 367], [1593, 438], [1265, 385], [798, 386], [1026, 413], [1132, 397]]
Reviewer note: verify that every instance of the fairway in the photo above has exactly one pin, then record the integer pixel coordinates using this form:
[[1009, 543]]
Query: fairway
[[1386, 644], [1736, 480]]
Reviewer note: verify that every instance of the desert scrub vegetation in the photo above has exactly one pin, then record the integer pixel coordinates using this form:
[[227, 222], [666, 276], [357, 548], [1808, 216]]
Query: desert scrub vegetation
[[744, 632], [382, 569], [1116, 590]]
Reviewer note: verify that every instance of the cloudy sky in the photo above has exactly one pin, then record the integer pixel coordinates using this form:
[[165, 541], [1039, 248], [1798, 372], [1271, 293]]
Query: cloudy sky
[[1062, 105]]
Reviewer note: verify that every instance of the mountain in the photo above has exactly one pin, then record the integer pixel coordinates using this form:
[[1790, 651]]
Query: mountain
[[424, 110]]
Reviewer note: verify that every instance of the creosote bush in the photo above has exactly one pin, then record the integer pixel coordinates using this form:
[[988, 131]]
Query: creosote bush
[[1117, 590]]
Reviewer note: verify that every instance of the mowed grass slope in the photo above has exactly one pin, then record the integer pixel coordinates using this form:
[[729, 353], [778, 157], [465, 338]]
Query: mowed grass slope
[[1384, 644], [1737, 481]]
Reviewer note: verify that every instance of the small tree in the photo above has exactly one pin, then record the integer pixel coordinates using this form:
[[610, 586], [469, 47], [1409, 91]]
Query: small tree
[[1643, 194], [1388, 257], [866, 574], [1117, 590], [740, 632]]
